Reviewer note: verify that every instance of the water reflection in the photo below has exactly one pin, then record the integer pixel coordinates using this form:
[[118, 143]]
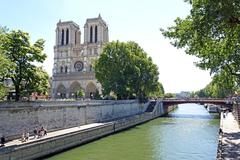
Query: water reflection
[[195, 116], [188, 133]]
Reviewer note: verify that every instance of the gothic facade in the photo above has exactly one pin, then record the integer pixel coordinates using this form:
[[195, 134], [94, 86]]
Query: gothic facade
[[73, 60]]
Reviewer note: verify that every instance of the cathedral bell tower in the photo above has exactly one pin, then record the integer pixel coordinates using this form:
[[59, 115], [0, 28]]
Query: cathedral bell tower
[[95, 31], [67, 33]]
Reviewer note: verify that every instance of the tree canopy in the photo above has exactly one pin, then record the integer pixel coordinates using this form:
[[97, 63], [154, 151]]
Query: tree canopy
[[210, 32], [221, 86], [37, 82], [169, 95], [25, 75], [5, 65], [126, 70]]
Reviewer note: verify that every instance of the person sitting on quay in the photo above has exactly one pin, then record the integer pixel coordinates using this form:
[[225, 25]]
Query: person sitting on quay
[[35, 132], [25, 136], [2, 144], [45, 131], [42, 132]]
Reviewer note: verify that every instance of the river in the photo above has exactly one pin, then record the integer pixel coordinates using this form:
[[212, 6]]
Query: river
[[187, 133]]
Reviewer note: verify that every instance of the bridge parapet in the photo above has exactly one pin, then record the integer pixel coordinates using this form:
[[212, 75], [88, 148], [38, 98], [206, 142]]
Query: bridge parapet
[[175, 101]]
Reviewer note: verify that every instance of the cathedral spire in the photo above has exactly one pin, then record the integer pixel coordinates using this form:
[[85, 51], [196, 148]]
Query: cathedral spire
[[99, 16]]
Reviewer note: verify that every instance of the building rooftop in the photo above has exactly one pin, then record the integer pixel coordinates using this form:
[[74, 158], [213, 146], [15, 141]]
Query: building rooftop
[[96, 19], [67, 22]]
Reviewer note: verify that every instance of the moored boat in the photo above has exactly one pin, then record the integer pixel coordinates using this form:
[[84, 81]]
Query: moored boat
[[212, 108]]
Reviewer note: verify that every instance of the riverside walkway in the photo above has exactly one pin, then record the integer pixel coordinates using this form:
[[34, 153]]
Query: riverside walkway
[[229, 143], [18, 142]]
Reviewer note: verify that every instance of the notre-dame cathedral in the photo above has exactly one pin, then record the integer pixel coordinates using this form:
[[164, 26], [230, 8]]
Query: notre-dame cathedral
[[73, 60]]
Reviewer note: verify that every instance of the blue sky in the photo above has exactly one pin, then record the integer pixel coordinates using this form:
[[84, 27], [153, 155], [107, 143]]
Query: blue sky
[[135, 20]]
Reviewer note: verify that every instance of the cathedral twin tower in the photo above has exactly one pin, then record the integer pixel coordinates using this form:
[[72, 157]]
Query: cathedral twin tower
[[73, 60]]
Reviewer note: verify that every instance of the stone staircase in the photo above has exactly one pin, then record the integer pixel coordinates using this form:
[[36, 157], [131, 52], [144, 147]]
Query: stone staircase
[[151, 106]]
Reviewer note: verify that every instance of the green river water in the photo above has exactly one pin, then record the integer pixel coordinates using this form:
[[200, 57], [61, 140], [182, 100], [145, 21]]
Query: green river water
[[187, 133]]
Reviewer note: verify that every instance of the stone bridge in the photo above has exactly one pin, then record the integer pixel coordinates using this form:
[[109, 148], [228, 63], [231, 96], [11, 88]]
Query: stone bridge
[[222, 102]]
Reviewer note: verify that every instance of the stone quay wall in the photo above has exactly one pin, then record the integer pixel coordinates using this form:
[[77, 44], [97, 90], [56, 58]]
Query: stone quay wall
[[236, 112], [56, 115], [57, 144]]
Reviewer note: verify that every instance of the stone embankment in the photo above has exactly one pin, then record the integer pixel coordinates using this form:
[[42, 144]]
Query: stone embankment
[[229, 138], [63, 139], [17, 118]]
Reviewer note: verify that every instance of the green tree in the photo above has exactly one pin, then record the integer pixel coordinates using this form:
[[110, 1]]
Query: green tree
[[169, 95], [38, 82], [159, 92], [5, 65], [201, 93], [80, 93], [143, 73], [97, 95], [221, 86], [16, 47], [126, 70], [210, 32]]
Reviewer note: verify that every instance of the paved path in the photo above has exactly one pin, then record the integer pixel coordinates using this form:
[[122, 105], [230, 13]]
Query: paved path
[[230, 141], [53, 134]]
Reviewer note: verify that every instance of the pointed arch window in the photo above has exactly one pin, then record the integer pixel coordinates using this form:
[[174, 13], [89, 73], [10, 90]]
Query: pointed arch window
[[91, 34], [61, 69], [62, 39], [96, 34], [75, 37], [67, 37]]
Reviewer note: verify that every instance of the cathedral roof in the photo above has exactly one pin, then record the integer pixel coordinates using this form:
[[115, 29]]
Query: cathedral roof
[[99, 18], [67, 23]]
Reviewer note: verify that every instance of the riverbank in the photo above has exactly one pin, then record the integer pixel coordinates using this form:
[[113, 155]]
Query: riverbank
[[229, 138], [60, 140]]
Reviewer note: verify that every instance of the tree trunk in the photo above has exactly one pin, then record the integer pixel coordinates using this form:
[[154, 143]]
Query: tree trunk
[[17, 92]]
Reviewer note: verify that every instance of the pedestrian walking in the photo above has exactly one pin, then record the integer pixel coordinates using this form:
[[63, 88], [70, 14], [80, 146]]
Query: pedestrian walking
[[220, 131], [227, 111]]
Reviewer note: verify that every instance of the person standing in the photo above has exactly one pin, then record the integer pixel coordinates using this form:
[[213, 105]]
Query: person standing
[[35, 132], [3, 141], [23, 138], [27, 136]]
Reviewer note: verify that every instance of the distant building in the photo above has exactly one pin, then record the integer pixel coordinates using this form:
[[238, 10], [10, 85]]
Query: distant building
[[183, 94], [73, 60], [8, 83]]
